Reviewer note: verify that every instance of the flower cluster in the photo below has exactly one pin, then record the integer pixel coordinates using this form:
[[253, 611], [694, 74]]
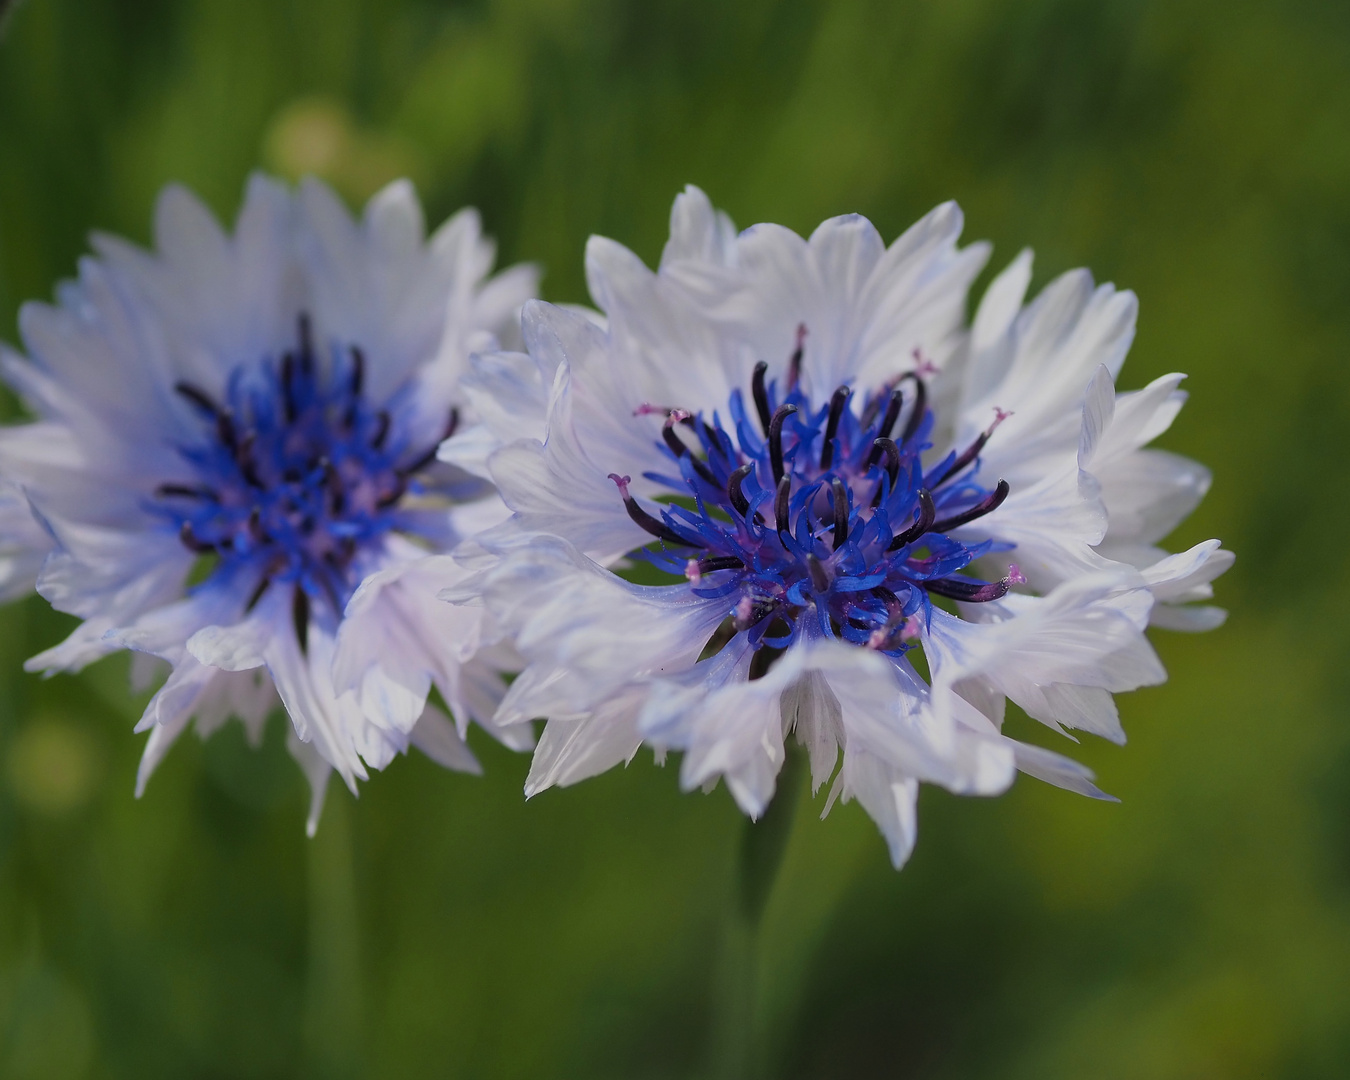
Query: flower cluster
[[233, 469], [817, 471], [777, 488]]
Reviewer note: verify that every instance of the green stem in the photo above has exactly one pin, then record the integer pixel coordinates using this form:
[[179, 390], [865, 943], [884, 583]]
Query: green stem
[[332, 1007], [739, 1024]]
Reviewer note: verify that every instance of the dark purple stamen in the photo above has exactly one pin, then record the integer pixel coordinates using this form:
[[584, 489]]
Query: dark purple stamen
[[248, 468], [337, 493], [673, 441], [306, 345], [226, 433], [751, 612], [713, 563], [920, 405], [837, 403], [257, 593], [451, 424], [381, 430], [288, 387], [927, 512], [734, 492], [780, 504], [356, 381], [679, 449], [776, 439], [709, 432], [973, 592], [871, 409], [644, 520], [186, 492], [191, 541], [819, 578], [971, 452], [795, 361], [891, 452], [887, 597], [300, 617], [840, 531], [986, 505], [887, 447], [199, 398], [892, 413], [761, 395]]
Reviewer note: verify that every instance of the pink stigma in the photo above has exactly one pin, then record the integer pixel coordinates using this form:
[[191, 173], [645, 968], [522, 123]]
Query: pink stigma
[[923, 367], [1015, 575], [999, 416], [692, 572], [621, 482]]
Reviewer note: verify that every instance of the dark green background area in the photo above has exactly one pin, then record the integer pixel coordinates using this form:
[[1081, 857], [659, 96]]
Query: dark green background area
[[1196, 152]]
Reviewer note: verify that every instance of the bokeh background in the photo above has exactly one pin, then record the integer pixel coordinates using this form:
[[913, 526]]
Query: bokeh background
[[1197, 151]]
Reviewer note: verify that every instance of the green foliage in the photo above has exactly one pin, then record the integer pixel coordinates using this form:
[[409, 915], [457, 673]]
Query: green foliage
[[1195, 151]]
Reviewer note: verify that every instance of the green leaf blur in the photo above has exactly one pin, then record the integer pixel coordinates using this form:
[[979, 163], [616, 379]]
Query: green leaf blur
[[1197, 152]]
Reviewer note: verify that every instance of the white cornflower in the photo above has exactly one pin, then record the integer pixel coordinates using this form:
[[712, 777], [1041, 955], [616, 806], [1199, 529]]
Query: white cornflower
[[831, 472], [234, 432]]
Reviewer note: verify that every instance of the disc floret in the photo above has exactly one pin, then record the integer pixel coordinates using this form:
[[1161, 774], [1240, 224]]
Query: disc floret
[[820, 519], [297, 475]]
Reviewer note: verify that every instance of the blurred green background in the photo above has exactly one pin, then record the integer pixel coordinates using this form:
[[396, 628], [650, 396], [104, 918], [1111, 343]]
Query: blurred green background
[[1197, 152]]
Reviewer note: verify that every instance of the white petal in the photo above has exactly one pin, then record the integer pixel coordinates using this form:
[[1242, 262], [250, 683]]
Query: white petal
[[1054, 525], [669, 355], [1178, 576], [509, 393], [1000, 305], [571, 750], [1046, 652], [590, 630], [1057, 344], [436, 737], [1058, 770], [162, 737], [698, 231], [240, 646], [1147, 493], [889, 797], [247, 696], [334, 726], [1188, 618], [811, 709], [1138, 418], [316, 771]]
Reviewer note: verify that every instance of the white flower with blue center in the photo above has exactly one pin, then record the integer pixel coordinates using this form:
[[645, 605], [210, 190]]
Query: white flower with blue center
[[830, 474], [233, 433]]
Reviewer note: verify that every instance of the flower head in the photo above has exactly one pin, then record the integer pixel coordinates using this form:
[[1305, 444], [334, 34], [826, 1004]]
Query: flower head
[[824, 472], [234, 433]]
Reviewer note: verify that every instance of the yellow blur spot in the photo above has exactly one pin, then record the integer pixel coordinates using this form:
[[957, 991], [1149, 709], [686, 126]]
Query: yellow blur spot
[[317, 136], [52, 767]]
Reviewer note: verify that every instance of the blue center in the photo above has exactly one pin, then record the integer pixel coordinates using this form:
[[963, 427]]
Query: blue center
[[297, 474], [820, 518]]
